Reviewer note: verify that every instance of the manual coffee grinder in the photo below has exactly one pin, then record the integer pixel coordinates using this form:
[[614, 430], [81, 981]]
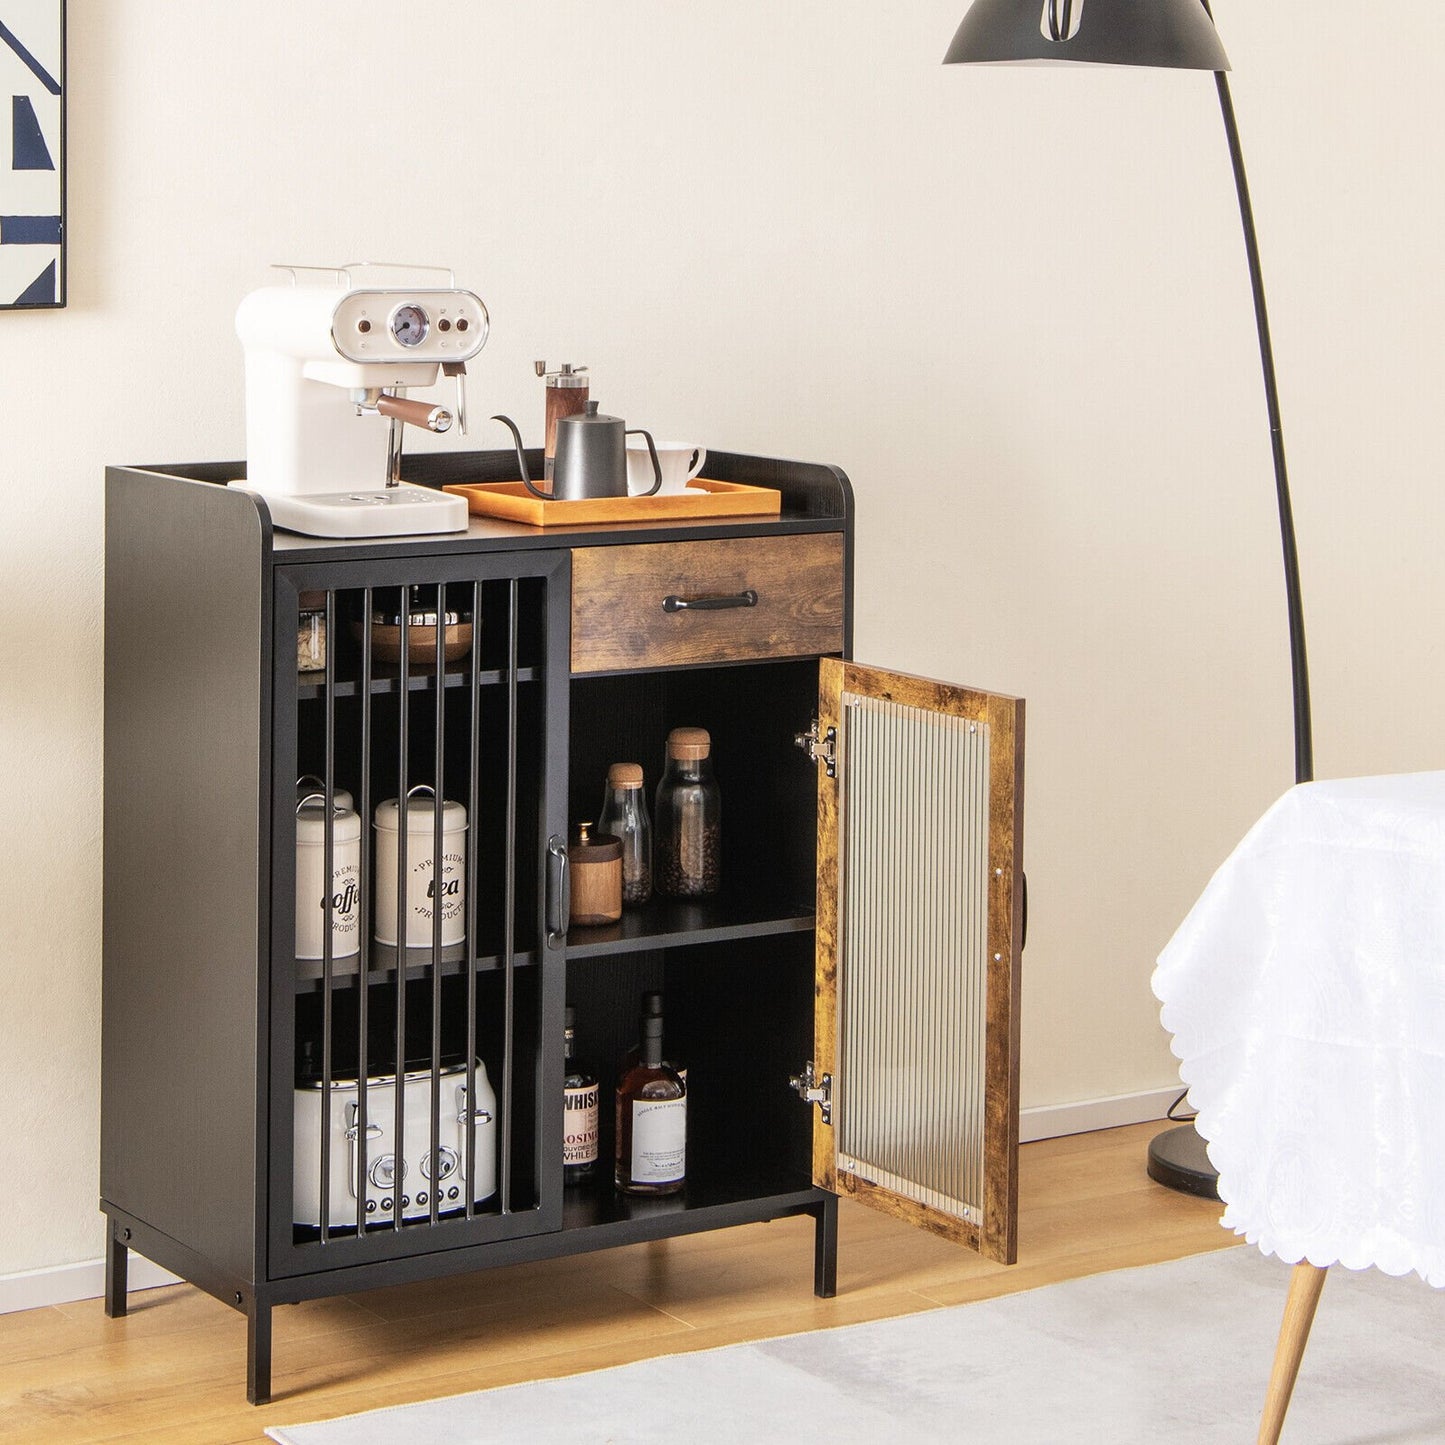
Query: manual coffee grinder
[[567, 393]]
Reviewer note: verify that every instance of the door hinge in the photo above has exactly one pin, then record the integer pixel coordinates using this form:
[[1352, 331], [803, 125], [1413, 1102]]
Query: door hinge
[[822, 749], [813, 1090]]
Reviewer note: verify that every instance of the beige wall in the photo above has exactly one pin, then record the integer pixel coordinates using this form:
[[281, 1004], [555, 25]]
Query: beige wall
[[1012, 305]]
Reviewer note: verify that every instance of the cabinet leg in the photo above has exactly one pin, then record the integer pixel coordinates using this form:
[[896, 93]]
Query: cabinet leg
[[825, 1249], [1305, 1284], [258, 1353], [117, 1257]]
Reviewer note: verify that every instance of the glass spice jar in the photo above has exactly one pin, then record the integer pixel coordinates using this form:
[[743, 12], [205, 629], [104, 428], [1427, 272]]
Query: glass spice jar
[[624, 816], [688, 849], [311, 632]]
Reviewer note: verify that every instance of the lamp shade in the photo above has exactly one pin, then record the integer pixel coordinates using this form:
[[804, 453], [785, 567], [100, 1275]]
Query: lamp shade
[[1172, 34]]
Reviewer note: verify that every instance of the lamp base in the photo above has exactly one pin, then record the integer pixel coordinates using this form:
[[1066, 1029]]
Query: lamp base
[[1177, 1159]]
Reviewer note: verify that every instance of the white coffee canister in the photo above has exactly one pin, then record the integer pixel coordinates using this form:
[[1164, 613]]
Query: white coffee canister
[[423, 886], [311, 888], [310, 783]]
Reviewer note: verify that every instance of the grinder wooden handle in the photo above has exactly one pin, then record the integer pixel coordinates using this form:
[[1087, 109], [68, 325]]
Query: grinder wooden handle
[[417, 413]]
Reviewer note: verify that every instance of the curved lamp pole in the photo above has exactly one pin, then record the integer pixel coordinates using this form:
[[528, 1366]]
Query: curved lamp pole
[[1178, 35]]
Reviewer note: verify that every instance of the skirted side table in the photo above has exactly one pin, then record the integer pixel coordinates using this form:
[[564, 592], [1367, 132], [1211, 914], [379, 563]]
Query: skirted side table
[[1305, 993]]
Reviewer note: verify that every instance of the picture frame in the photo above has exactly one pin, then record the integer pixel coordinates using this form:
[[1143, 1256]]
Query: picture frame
[[32, 154]]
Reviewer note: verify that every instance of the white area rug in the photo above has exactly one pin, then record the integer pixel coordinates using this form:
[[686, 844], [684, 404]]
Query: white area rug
[[1176, 1352]]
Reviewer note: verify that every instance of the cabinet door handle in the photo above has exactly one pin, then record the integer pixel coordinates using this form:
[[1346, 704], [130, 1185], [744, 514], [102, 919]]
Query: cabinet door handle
[[674, 603], [559, 891]]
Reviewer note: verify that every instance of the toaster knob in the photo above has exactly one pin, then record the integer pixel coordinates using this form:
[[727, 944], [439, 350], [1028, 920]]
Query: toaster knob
[[447, 1161], [384, 1171]]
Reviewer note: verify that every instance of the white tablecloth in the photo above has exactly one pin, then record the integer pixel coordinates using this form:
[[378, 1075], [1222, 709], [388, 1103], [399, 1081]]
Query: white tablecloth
[[1306, 995]]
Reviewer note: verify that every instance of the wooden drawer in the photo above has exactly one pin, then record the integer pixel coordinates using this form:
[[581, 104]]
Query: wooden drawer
[[625, 611]]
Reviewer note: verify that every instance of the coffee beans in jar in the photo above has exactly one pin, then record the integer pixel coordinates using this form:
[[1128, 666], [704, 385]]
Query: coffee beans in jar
[[687, 826]]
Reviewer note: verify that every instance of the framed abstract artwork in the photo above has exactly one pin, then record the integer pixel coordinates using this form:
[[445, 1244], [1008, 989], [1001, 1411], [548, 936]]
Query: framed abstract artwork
[[32, 153]]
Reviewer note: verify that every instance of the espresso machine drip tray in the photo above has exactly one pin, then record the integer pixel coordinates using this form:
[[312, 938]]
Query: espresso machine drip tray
[[401, 511]]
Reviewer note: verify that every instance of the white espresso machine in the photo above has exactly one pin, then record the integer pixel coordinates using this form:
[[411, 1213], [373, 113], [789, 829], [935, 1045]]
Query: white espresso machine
[[328, 367]]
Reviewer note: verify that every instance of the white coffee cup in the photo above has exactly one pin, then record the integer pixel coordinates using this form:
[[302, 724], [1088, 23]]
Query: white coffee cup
[[680, 463]]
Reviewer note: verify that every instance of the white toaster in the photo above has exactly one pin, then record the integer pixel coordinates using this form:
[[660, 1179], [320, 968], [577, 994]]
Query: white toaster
[[414, 1179]]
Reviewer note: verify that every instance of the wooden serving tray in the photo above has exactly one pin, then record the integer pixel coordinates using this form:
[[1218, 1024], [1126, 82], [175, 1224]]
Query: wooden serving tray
[[701, 498]]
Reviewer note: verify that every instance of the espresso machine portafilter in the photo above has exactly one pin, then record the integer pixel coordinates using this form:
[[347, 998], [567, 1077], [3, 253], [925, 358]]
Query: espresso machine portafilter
[[328, 367]]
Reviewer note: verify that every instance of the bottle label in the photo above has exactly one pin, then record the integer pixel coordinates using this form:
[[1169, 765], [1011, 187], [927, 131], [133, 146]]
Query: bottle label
[[579, 1125], [659, 1140]]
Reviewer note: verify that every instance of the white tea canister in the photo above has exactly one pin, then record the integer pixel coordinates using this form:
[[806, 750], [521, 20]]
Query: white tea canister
[[311, 890], [426, 888]]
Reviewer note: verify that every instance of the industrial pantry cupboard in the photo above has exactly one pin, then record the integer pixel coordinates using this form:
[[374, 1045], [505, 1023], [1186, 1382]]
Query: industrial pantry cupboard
[[846, 1006]]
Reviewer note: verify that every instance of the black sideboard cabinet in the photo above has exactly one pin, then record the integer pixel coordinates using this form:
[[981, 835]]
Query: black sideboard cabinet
[[846, 1007]]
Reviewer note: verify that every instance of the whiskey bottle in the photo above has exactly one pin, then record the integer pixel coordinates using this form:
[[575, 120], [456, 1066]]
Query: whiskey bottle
[[579, 1111], [651, 1120], [652, 1005]]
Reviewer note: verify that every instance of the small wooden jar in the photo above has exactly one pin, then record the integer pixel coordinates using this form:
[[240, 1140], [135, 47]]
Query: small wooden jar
[[595, 861]]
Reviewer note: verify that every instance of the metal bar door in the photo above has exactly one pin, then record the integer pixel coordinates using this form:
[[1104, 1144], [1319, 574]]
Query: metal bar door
[[414, 996]]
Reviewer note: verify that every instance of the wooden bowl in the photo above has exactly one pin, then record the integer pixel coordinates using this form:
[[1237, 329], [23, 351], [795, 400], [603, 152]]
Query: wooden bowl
[[421, 645]]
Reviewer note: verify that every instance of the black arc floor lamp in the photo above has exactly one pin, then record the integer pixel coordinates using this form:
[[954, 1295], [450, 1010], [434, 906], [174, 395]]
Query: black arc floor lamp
[[1174, 35]]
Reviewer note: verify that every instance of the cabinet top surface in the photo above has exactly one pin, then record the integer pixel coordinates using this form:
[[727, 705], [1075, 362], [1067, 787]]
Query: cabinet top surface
[[815, 497]]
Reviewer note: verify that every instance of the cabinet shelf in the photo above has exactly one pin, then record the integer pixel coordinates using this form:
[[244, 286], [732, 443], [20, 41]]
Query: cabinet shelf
[[707, 1202], [381, 966], [670, 923], [387, 679]]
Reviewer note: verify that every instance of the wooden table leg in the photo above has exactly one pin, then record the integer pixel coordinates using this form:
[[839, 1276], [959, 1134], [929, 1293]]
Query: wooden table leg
[[1305, 1284]]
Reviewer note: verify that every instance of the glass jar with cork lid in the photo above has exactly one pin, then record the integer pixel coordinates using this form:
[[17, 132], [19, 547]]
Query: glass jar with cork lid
[[624, 816], [688, 824]]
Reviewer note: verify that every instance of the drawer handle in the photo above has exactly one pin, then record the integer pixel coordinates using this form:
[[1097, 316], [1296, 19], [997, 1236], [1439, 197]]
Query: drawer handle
[[710, 604]]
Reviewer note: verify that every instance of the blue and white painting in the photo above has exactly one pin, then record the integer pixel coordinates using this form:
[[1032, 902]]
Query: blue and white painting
[[32, 153]]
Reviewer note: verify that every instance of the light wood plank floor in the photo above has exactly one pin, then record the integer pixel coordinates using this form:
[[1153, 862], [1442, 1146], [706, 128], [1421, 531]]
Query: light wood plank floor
[[174, 1369]]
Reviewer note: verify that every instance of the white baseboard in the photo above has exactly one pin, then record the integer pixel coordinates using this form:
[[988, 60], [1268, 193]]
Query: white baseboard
[[35, 1288], [1051, 1121]]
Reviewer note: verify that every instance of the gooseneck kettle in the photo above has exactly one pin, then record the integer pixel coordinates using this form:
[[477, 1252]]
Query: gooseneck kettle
[[591, 457]]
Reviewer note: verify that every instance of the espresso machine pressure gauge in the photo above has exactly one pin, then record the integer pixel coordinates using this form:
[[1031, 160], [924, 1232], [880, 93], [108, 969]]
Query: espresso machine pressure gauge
[[409, 325]]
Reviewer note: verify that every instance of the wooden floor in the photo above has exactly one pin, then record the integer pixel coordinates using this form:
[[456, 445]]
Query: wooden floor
[[174, 1369]]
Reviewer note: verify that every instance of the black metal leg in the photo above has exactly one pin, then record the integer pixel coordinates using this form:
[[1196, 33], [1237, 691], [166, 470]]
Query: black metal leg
[[825, 1249], [117, 1257], [258, 1353]]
